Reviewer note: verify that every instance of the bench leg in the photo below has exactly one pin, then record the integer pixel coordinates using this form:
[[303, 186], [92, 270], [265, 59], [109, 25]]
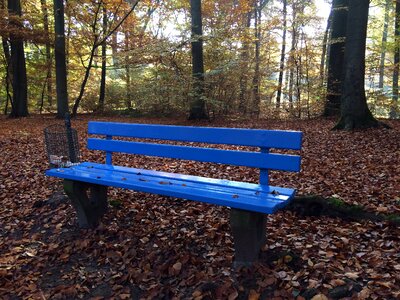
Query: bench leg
[[249, 235], [89, 201]]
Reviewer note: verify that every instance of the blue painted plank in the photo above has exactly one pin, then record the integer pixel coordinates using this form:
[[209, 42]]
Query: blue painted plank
[[264, 178], [238, 158], [230, 136], [191, 178], [192, 181], [199, 192], [109, 154]]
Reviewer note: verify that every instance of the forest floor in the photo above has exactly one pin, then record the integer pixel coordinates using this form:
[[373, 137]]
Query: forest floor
[[150, 246]]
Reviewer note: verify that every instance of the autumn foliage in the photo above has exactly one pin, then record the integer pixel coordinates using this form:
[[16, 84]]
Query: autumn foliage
[[149, 246]]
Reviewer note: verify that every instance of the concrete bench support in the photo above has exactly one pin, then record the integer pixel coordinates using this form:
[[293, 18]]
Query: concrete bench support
[[89, 201], [249, 234]]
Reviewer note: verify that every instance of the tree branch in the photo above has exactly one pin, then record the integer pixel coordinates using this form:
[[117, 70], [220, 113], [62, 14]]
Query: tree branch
[[118, 25]]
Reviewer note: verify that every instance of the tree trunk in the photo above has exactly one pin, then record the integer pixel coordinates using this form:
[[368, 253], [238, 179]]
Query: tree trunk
[[19, 82], [324, 48], [244, 68], [307, 79], [256, 79], [197, 105], [336, 58], [96, 43], [395, 97], [128, 100], [85, 78], [103, 63], [354, 109], [282, 61], [60, 57], [292, 55], [49, 76], [90, 63], [7, 64], [383, 47]]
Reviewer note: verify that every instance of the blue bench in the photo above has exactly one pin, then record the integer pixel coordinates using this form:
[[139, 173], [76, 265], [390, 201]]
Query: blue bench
[[86, 184]]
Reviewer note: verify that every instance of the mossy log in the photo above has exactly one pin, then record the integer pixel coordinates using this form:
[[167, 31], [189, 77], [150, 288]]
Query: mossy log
[[314, 205]]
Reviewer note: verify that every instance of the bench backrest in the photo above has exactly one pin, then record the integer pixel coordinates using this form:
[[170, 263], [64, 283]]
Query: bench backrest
[[264, 139]]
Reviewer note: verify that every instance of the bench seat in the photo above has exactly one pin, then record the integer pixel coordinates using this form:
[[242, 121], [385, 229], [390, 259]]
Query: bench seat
[[241, 195]]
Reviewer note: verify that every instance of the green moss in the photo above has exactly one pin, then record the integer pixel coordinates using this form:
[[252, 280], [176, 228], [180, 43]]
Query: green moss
[[393, 218], [115, 203], [336, 202]]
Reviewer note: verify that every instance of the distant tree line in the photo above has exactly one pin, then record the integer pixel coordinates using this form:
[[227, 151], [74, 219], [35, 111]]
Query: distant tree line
[[252, 58]]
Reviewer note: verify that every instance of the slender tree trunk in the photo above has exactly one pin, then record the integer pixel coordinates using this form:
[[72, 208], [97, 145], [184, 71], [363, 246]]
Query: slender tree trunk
[[307, 79], [128, 100], [19, 82], [256, 79], [85, 79], [114, 49], [383, 47], [197, 105], [283, 50], [96, 43], [292, 55], [298, 64], [244, 68], [48, 52], [103, 63], [354, 109], [69, 31], [336, 57], [324, 48], [60, 57], [395, 97], [7, 64]]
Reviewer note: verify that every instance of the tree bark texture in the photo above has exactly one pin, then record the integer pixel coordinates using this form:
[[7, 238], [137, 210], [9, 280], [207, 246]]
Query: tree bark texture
[[383, 46], [336, 57], [60, 58], [103, 63], [19, 82], [355, 113], [243, 95], [256, 78], [325, 48], [292, 58], [128, 100], [197, 105], [395, 88], [282, 60], [49, 64], [7, 64]]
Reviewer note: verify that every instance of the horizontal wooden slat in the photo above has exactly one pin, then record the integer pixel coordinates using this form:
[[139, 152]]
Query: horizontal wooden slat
[[172, 185], [230, 136], [238, 158], [187, 179]]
